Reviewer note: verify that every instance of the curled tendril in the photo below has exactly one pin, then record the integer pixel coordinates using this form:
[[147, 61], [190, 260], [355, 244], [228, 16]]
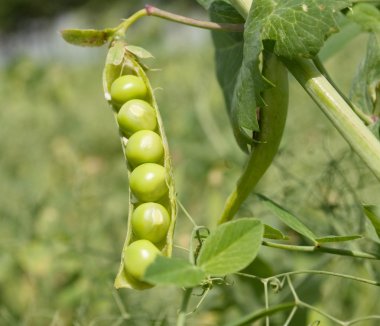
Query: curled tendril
[[276, 285]]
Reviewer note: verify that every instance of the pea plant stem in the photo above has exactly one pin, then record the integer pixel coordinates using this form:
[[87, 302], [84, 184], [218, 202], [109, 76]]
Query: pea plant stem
[[181, 320], [153, 11], [359, 137], [257, 315], [156, 12], [315, 249], [364, 117]]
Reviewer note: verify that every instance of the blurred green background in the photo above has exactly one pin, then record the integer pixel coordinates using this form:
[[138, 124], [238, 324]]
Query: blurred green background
[[64, 187]]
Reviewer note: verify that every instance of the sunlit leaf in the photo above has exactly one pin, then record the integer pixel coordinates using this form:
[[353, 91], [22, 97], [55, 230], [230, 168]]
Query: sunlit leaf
[[174, 271], [231, 247], [272, 233]]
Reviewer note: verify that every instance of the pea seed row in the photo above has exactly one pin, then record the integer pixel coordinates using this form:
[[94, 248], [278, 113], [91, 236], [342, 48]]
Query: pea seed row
[[144, 151]]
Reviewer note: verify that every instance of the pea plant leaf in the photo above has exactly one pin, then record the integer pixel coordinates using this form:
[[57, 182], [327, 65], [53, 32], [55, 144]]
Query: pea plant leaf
[[231, 247], [274, 234], [139, 52], [298, 27], [228, 60], [174, 271], [87, 37], [288, 218], [373, 214]]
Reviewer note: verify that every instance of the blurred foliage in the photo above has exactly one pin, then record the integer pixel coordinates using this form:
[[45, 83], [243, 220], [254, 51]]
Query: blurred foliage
[[18, 14], [63, 189]]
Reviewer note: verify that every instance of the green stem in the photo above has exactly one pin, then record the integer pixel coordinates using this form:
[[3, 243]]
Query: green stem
[[181, 320], [153, 11], [122, 28], [364, 117], [315, 272], [315, 249], [350, 277], [363, 142], [257, 315]]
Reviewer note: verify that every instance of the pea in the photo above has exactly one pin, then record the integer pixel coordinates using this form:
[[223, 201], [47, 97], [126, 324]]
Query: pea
[[136, 115], [148, 182], [126, 88], [150, 221], [138, 256], [144, 146]]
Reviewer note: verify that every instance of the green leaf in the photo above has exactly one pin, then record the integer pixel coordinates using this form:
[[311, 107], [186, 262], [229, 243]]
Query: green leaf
[[288, 218], [87, 37], [272, 233], [373, 214], [231, 247], [115, 54], [228, 60], [366, 15], [298, 27], [338, 238], [174, 271], [139, 52], [365, 91]]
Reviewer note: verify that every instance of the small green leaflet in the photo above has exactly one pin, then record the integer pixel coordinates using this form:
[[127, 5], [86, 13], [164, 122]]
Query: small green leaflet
[[174, 271], [232, 247], [87, 37], [274, 234], [373, 214], [288, 218], [115, 54], [139, 52]]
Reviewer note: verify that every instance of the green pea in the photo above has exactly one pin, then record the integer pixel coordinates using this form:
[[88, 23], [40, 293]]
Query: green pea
[[126, 88], [144, 146], [138, 256], [136, 115], [148, 182], [150, 221]]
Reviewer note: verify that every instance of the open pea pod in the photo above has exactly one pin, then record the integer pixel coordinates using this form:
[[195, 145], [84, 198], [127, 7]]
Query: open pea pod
[[120, 62]]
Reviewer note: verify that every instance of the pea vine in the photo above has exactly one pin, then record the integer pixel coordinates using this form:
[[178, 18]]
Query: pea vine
[[256, 44]]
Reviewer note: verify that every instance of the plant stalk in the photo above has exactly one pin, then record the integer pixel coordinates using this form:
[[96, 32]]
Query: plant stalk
[[181, 320], [359, 137], [316, 249], [257, 315], [156, 12]]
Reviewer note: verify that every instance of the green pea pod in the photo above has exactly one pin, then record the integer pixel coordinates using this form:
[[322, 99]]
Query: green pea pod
[[119, 62], [272, 119]]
